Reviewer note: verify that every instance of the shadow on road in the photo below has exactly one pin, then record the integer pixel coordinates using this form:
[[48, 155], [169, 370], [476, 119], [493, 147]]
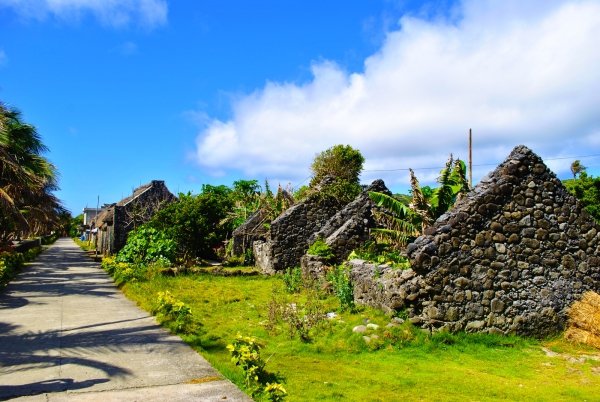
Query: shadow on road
[[42, 387]]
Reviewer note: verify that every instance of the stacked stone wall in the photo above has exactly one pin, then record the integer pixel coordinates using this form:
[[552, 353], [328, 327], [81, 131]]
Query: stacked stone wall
[[288, 237], [509, 258], [130, 213], [350, 228]]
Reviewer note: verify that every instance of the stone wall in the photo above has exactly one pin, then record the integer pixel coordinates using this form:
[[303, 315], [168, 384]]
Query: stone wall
[[509, 258], [385, 288], [139, 209], [349, 228], [287, 239], [115, 222]]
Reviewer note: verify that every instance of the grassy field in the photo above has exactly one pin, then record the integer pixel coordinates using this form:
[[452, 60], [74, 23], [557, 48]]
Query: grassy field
[[336, 364]]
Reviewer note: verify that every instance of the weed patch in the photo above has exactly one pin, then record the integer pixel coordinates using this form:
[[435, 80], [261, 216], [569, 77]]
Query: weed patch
[[175, 313], [339, 278], [292, 278], [245, 353]]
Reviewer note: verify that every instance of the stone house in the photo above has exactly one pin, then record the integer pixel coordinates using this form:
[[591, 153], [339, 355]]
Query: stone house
[[343, 227], [510, 257], [115, 221]]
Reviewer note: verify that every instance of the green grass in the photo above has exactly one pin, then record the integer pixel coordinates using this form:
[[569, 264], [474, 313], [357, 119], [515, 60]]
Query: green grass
[[337, 364], [84, 244]]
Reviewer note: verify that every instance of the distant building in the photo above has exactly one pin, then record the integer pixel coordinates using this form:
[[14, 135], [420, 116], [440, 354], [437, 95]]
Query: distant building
[[115, 221], [88, 215]]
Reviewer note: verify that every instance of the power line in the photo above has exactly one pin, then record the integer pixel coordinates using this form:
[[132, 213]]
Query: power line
[[478, 165]]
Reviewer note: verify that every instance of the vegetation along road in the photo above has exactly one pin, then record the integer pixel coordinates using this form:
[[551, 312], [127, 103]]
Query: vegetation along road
[[66, 332]]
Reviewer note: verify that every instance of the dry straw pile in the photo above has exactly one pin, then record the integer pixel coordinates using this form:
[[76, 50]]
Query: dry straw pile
[[584, 320]]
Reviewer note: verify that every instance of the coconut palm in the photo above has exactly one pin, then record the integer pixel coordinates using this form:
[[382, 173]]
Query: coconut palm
[[27, 180]]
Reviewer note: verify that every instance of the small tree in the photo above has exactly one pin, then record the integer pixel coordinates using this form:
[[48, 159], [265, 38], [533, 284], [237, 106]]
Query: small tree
[[336, 172], [587, 190]]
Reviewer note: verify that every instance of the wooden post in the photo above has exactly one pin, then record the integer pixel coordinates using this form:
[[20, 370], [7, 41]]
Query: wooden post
[[470, 158], [97, 231]]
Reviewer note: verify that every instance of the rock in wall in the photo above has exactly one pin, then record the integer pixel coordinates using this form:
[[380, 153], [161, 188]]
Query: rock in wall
[[511, 257], [383, 287]]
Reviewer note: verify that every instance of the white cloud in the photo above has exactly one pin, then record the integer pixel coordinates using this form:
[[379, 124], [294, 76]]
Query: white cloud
[[116, 13], [516, 72]]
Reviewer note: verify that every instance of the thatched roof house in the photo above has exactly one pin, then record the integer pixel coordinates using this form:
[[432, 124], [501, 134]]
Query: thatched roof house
[[115, 221]]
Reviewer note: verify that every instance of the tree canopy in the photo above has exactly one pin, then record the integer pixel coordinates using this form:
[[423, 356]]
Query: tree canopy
[[336, 172], [587, 190]]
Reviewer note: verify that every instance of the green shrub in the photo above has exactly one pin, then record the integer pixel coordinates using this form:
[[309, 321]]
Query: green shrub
[[46, 240], [145, 245], [342, 287], [245, 353], [321, 249], [197, 223], [292, 278], [175, 311], [341, 164], [10, 263], [587, 190], [32, 253], [123, 272]]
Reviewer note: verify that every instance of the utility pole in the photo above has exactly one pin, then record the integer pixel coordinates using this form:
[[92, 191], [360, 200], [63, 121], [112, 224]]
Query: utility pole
[[470, 158]]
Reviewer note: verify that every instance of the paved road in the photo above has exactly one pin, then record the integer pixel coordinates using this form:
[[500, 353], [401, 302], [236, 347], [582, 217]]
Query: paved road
[[67, 333]]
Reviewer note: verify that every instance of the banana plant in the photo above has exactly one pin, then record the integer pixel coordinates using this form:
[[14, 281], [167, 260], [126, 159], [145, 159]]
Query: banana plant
[[397, 220], [400, 223]]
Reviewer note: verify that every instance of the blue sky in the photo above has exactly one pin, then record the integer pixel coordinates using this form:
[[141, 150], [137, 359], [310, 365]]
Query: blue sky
[[208, 91]]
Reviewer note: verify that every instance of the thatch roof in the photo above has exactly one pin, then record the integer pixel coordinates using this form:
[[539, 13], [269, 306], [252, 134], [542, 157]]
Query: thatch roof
[[136, 193], [105, 216]]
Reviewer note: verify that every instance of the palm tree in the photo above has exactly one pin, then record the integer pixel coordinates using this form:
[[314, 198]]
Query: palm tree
[[27, 180], [577, 168]]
